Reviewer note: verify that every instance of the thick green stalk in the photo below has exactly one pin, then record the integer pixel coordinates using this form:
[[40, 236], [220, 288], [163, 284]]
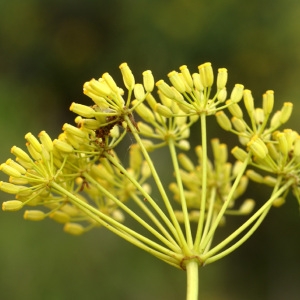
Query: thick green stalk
[[192, 270]]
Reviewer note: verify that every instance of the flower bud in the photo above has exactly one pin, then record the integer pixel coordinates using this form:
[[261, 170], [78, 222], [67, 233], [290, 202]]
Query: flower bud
[[197, 82], [237, 168], [151, 100], [278, 202], [97, 88], [222, 95], [70, 139], [148, 81], [247, 206], [220, 151], [206, 74], [239, 154], [185, 161], [118, 215], [268, 102], [259, 116], [144, 112], [164, 100], [73, 130], [99, 101], [139, 92], [110, 82], [63, 146], [258, 147], [238, 124], [237, 93], [186, 75], [184, 145], [249, 102], [128, 77], [10, 170], [46, 141], [91, 124], [74, 228], [18, 180], [19, 153], [286, 112], [16, 166], [254, 176], [12, 205], [222, 78], [34, 215], [241, 188], [115, 132], [82, 110], [223, 120], [33, 153], [273, 151], [282, 143], [60, 216], [9, 188], [163, 110], [291, 136], [71, 210], [165, 89], [177, 81], [234, 109], [34, 142], [270, 181], [145, 129], [275, 121]]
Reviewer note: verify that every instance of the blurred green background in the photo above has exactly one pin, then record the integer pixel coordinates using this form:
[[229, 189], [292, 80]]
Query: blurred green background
[[48, 49]]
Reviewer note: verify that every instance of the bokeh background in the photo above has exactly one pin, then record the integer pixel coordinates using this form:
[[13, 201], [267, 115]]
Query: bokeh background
[[48, 49]]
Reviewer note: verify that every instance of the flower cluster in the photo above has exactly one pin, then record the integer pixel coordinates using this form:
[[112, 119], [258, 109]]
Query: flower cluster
[[273, 151], [56, 170], [220, 176], [192, 92], [79, 180]]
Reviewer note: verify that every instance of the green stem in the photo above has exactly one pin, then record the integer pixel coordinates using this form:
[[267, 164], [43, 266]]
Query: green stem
[[186, 219], [241, 241], [210, 218], [192, 269], [180, 237], [132, 214], [146, 195], [255, 216], [203, 183], [205, 239], [121, 230], [152, 217]]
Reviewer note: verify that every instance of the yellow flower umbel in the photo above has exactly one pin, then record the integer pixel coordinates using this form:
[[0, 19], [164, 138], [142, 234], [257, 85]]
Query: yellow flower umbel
[[111, 111], [192, 92], [81, 179], [220, 177], [54, 173]]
